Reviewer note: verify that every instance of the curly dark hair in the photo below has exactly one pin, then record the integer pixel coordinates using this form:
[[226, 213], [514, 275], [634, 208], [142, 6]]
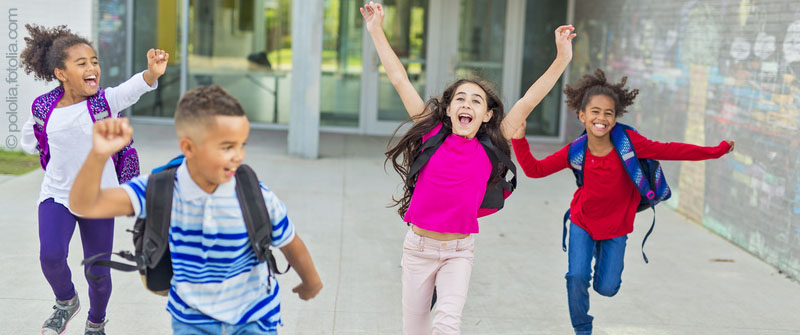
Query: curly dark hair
[[579, 94], [403, 153], [46, 50]]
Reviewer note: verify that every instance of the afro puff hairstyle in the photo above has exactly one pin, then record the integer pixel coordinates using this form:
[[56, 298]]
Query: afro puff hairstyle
[[46, 50], [579, 94]]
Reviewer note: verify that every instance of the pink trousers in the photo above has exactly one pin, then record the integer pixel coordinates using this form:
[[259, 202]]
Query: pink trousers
[[427, 262]]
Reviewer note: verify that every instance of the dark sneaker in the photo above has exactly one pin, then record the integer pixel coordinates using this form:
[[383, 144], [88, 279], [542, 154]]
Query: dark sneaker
[[63, 312], [95, 328]]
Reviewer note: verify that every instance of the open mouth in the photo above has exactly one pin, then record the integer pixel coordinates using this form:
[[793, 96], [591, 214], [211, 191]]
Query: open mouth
[[229, 172], [464, 119], [599, 126], [91, 81]]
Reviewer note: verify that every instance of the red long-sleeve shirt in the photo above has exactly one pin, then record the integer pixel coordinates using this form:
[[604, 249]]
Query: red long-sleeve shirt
[[605, 205]]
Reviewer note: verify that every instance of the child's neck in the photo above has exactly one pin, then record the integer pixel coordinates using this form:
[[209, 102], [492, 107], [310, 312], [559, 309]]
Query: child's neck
[[205, 185], [600, 146], [70, 98]]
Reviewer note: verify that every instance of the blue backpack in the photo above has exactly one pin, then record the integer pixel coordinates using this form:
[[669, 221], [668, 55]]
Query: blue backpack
[[646, 174]]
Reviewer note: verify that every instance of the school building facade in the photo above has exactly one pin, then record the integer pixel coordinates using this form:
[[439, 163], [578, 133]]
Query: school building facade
[[707, 71]]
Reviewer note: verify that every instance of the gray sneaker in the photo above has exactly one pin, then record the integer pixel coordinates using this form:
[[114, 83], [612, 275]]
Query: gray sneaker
[[64, 311], [95, 328]]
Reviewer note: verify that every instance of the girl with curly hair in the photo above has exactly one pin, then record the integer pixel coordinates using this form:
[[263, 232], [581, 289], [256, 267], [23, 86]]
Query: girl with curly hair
[[60, 130], [603, 208], [442, 202]]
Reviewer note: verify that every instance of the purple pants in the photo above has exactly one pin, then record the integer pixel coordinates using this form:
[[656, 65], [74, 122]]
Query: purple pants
[[56, 225]]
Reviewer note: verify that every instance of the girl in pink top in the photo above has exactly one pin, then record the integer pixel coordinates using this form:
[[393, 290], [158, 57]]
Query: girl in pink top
[[448, 191]]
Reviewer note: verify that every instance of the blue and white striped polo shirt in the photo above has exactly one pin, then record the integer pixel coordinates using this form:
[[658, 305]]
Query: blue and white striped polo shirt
[[216, 275]]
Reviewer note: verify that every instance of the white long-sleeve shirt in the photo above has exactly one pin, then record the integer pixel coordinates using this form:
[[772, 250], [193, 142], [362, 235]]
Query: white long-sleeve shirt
[[69, 136]]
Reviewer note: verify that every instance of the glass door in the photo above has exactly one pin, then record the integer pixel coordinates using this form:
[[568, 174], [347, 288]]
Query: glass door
[[481, 40], [242, 46]]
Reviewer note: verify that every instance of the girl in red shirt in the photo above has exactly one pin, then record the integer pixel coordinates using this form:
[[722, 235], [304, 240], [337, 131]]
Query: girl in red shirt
[[603, 209]]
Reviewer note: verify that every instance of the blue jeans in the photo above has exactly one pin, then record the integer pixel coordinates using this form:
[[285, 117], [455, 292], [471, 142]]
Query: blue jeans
[[219, 328], [609, 256]]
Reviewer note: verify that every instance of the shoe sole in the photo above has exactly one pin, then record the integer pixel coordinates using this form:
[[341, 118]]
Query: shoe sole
[[66, 323]]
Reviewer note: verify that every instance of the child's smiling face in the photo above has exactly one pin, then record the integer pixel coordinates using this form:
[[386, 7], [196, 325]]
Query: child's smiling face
[[213, 159], [468, 110], [81, 72], [599, 115]]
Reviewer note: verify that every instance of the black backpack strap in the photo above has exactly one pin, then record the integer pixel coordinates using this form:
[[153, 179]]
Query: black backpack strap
[[496, 155], [564, 232], [652, 225], [158, 206], [426, 152], [96, 260], [256, 216]]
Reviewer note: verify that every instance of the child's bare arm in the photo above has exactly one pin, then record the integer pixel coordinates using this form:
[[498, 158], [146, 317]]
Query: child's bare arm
[[86, 198], [373, 16], [543, 85], [300, 259]]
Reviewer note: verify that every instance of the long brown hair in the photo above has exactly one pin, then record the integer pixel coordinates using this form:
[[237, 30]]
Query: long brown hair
[[403, 153]]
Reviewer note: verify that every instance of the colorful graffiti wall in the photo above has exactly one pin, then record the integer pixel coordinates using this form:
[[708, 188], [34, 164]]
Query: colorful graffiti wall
[[709, 71]]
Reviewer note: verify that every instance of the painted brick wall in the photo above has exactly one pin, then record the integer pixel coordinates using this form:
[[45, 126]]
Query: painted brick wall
[[712, 70]]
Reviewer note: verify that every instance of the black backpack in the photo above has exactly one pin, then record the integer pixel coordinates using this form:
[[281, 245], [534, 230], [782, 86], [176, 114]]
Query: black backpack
[[151, 234], [494, 198]]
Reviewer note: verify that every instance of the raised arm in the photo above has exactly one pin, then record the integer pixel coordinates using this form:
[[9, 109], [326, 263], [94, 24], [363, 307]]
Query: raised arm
[[86, 198], [373, 16], [128, 93], [543, 85]]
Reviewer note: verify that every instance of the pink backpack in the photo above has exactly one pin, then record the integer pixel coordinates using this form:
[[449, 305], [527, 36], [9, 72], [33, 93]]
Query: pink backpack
[[126, 161]]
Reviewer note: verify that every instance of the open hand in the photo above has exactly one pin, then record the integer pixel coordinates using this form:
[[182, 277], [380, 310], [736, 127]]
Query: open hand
[[307, 291], [111, 135], [373, 15], [564, 36]]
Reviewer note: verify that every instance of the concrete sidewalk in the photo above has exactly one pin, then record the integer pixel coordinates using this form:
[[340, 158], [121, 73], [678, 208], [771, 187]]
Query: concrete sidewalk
[[338, 204]]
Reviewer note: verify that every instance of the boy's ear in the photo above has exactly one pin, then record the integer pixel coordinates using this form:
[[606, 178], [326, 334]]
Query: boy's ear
[[187, 146], [582, 116]]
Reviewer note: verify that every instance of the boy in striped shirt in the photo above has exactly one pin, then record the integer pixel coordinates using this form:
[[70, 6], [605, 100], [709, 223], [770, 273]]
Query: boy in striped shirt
[[218, 286]]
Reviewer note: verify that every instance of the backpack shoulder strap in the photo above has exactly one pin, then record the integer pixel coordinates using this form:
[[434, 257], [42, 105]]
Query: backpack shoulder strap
[[158, 204], [626, 152], [495, 155], [44, 104], [254, 210], [426, 151], [255, 215], [576, 156], [98, 106]]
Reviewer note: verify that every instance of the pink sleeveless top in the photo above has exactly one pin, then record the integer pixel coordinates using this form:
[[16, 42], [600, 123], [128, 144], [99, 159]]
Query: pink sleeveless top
[[450, 187]]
